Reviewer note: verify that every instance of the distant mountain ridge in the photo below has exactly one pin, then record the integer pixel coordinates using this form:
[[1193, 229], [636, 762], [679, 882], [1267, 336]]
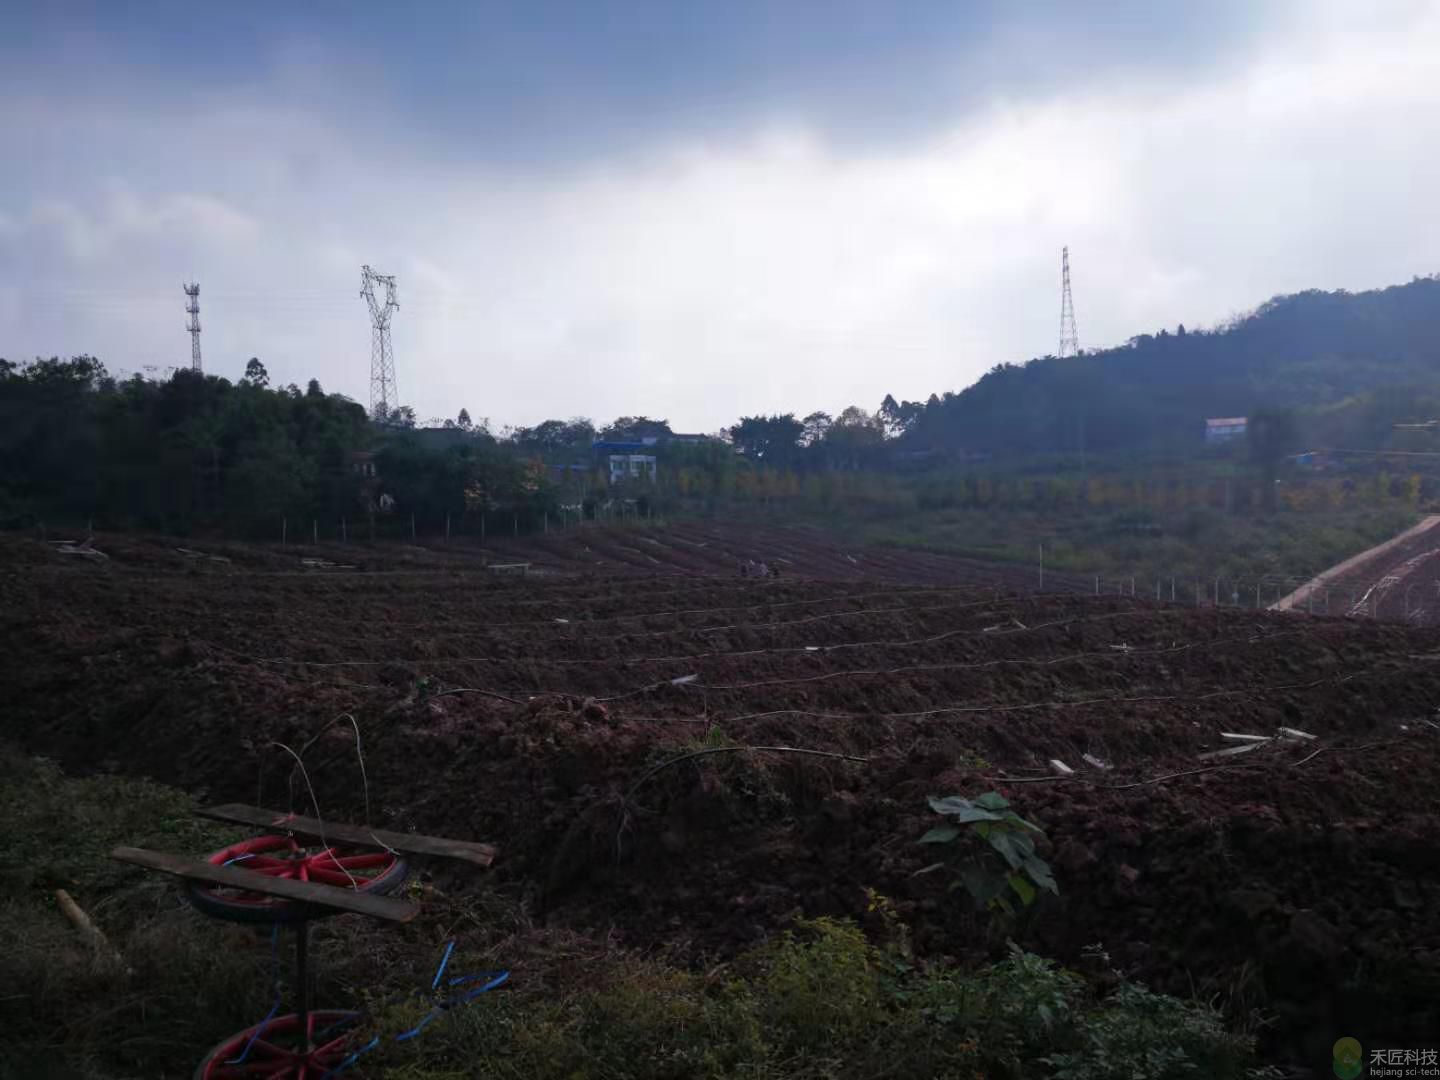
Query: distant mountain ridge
[[1373, 354]]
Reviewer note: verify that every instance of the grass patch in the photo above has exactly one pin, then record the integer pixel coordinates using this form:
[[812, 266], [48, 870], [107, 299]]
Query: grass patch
[[1195, 544], [820, 1001]]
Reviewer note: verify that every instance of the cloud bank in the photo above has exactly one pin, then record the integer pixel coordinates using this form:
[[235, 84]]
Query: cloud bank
[[778, 259]]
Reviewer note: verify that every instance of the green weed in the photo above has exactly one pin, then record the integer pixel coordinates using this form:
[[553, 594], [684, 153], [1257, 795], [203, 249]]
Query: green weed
[[819, 1002]]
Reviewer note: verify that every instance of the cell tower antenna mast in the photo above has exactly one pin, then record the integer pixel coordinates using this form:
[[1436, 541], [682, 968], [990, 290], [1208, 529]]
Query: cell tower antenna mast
[[1069, 335], [383, 395], [192, 305]]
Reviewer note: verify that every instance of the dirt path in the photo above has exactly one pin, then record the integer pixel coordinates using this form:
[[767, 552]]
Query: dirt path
[[1382, 581]]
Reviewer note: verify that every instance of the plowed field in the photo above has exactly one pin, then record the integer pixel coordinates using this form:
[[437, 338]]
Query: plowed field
[[1302, 878]]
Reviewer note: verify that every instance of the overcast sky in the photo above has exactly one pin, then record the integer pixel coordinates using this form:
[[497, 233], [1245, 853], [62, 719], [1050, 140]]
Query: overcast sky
[[695, 211]]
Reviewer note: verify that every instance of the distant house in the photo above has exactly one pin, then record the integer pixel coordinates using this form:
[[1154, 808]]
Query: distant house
[[1224, 429], [632, 467], [680, 438], [629, 459]]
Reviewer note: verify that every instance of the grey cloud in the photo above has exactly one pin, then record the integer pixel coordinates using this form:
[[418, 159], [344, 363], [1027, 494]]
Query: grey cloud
[[778, 268]]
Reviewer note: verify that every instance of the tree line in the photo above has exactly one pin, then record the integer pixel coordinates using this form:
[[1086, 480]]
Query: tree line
[[197, 452]]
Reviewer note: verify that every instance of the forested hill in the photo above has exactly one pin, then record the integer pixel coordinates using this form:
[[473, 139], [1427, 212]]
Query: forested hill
[[1348, 363]]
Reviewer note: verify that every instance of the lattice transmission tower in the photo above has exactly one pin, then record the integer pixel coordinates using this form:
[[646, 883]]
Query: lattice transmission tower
[[192, 305], [1069, 335], [383, 395]]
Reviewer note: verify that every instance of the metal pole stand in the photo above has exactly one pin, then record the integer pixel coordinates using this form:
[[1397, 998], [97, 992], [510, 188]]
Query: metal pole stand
[[302, 982]]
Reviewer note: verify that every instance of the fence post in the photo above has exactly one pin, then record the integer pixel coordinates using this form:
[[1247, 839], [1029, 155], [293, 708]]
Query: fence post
[[1097, 584], [412, 526], [1217, 592], [516, 523], [1172, 589], [1157, 590], [482, 528], [344, 531], [1257, 596], [284, 531], [314, 531], [447, 526], [547, 521], [1042, 567]]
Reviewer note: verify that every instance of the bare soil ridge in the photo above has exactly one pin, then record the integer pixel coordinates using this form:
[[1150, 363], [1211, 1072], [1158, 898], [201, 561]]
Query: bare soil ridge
[[1298, 878]]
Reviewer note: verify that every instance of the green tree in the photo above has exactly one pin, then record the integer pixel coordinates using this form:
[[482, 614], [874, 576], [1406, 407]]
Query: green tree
[[772, 440], [1270, 435], [896, 417], [636, 427], [815, 426], [854, 439]]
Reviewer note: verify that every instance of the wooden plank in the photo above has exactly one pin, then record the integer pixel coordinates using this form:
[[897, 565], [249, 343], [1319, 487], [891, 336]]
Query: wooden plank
[[357, 835], [308, 892]]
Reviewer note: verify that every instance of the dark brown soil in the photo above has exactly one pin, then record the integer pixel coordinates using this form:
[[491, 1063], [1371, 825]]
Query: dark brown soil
[[1302, 879]]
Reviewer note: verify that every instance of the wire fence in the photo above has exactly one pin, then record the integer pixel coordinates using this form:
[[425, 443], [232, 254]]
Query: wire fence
[[1407, 597], [1389, 599]]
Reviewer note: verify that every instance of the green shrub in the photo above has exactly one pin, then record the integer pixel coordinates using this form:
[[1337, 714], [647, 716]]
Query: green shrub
[[1137, 1033], [819, 1002], [1009, 864], [819, 988]]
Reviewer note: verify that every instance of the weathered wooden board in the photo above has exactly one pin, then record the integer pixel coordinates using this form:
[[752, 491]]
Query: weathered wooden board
[[309, 892], [357, 835]]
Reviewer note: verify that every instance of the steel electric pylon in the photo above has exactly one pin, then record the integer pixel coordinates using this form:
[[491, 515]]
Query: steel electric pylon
[[192, 305], [1069, 335], [383, 396]]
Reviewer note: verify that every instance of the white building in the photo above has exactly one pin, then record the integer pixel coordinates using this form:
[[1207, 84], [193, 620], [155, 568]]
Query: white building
[[632, 467], [1224, 429]]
